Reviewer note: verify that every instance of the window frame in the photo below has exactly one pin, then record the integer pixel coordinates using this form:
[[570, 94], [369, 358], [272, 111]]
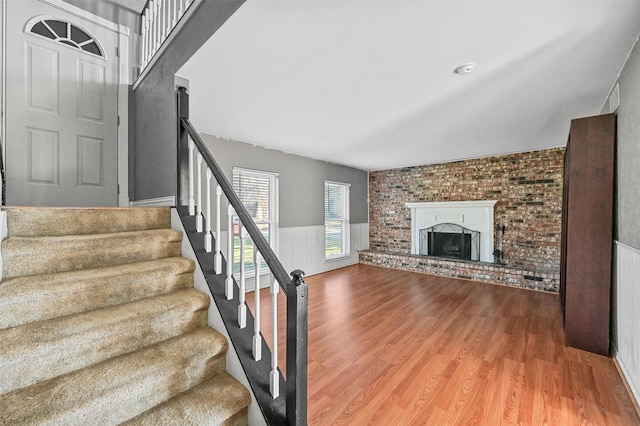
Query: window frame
[[344, 221], [273, 213]]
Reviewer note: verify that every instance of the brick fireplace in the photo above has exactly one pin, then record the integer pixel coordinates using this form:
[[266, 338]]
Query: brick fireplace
[[527, 190]]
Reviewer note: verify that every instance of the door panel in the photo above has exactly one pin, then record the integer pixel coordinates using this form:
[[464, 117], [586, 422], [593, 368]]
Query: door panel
[[90, 161], [42, 156], [42, 78], [61, 126], [91, 86]]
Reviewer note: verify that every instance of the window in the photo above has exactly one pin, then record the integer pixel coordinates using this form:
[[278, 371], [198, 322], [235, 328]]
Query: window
[[258, 191], [66, 33], [336, 220]]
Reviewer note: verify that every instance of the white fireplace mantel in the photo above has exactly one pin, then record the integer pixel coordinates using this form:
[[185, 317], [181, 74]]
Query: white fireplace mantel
[[476, 215]]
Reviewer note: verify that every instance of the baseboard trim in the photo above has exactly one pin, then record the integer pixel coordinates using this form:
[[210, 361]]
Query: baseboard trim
[[620, 370], [169, 201]]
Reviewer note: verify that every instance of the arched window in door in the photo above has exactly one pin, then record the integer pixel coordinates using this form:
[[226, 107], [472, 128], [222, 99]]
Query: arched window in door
[[66, 33]]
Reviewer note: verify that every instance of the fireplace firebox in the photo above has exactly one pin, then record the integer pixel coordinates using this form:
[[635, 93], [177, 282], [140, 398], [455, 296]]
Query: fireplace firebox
[[450, 240]]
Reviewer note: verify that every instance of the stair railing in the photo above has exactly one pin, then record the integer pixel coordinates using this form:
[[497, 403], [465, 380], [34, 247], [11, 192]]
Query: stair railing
[[158, 19], [195, 166]]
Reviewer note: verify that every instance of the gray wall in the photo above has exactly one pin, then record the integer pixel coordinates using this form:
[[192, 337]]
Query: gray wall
[[625, 294], [154, 150], [301, 180], [627, 216]]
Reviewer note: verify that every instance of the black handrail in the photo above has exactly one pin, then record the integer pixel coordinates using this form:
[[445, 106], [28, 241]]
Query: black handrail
[[252, 229], [295, 289]]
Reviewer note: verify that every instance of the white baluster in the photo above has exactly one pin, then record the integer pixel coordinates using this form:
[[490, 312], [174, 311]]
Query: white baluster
[[149, 31], [199, 194], [274, 377], [217, 257], [207, 235], [257, 342], [228, 283], [158, 24], [180, 9], [143, 44], [242, 306], [174, 11], [192, 201], [154, 22], [165, 20], [161, 11]]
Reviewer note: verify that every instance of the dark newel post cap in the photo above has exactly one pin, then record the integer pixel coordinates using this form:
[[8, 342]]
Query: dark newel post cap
[[297, 277]]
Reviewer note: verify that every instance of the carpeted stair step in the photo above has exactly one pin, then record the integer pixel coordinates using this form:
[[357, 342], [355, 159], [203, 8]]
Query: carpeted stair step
[[220, 400], [38, 351], [44, 255], [120, 388], [40, 222], [34, 298]]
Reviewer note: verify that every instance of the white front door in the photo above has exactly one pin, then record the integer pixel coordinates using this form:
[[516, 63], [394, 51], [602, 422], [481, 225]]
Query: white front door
[[61, 108]]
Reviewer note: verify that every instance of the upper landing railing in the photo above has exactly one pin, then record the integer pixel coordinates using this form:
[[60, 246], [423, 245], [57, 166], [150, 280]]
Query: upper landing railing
[[197, 168], [159, 18]]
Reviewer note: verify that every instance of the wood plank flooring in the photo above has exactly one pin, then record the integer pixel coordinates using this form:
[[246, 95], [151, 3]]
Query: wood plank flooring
[[390, 347]]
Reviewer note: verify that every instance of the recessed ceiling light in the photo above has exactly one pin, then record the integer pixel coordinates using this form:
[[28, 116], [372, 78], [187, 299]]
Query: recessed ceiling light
[[465, 69]]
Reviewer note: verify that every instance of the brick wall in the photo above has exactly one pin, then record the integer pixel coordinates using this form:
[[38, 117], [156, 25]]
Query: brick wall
[[527, 186]]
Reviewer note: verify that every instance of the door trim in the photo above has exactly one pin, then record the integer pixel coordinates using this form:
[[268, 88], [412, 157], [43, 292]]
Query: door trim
[[124, 82]]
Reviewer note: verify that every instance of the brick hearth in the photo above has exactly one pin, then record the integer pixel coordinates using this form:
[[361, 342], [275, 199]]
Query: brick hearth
[[479, 271]]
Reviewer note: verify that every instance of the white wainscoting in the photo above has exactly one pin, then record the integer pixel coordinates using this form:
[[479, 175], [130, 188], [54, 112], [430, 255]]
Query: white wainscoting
[[626, 338], [302, 248]]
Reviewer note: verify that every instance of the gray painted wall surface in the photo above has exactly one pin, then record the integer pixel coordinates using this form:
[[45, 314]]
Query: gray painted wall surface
[[627, 216], [301, 180], [154, 152]]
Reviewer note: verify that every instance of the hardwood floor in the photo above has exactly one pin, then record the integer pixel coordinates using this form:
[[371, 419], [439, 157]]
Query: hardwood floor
[[389, 347]]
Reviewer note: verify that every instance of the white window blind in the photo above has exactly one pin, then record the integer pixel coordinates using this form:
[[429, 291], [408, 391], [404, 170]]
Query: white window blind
[[258, 191], [336, 220]]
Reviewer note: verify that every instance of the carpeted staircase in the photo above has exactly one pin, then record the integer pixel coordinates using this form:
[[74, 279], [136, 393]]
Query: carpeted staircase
[[100, 324]]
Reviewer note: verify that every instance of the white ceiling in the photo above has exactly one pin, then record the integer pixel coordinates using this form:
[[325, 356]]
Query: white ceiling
[[371, 84]]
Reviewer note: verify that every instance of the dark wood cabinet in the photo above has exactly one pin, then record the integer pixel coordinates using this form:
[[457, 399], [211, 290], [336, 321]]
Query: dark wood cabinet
[[587, 232]]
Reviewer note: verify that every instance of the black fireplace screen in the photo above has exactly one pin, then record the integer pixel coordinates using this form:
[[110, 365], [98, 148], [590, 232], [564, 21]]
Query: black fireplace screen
[[451, 241]]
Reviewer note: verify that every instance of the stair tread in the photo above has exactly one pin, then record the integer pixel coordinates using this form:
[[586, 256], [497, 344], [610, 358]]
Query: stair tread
[[218, 400], [40, 255], [39, 297], [120, 388], [69, 343], [31, 222]]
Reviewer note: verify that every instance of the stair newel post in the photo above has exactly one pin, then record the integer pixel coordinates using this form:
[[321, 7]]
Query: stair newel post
[[274, 376], [242, 306], [185, 147], [297, 351], [217, 257], [207, 235], [257, 343], [228, 283], [199, 193]]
